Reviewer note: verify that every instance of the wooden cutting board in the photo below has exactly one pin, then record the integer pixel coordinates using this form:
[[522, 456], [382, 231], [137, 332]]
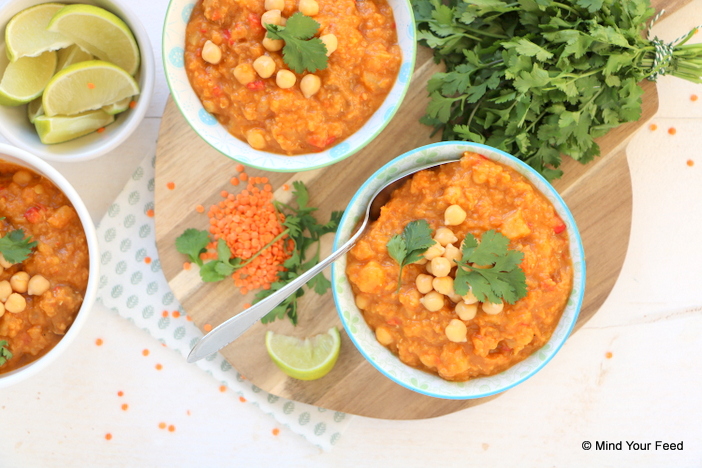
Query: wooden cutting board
[[598, 194]]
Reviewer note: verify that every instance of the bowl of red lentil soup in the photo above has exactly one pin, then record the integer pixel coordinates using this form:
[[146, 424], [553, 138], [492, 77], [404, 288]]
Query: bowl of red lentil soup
[[19, 131], [45, 298], [426, 337], [234, 89]]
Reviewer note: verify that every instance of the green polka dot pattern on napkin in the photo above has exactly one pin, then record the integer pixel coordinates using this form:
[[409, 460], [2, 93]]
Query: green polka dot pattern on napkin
[[133, 285]]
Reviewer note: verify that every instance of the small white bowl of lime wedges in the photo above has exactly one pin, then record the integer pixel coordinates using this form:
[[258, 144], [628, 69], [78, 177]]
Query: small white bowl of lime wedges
[[76, 78]]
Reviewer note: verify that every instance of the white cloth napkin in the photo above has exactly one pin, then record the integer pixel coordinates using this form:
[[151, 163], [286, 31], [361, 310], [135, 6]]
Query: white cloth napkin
[[137, 290]]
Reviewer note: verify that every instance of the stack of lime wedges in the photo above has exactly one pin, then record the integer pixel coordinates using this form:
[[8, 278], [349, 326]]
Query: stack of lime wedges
[[72, 65]]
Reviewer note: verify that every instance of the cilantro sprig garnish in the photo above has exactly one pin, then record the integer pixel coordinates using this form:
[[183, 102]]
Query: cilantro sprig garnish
[[15, 247], [496, 275], [5, 354], [540, 78], [302, 51], [300, 226], [408, 247]]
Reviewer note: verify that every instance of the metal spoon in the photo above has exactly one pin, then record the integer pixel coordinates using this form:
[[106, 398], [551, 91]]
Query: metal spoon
[[234, 327]]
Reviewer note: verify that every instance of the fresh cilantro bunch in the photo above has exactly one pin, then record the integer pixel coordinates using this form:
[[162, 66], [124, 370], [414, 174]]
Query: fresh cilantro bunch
[[15, 247], [542, 78], [409, 246], [5, 354], [302, 51], [497, 276]]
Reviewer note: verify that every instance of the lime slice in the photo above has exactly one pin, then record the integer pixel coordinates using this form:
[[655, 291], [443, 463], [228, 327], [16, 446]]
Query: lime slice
[[99, 32], [26, 78], [118, 107], [34, 109], [308, 359], [70, 55], [61, 128], [86, 86], [26, 34]]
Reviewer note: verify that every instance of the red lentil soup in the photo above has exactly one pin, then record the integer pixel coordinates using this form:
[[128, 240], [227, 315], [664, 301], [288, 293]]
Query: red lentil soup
[[492, 338], [40, 296], [254, 108]]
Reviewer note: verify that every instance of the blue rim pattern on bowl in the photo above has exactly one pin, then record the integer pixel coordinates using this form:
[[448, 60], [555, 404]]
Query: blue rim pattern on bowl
[[387, 363], [205, 125]]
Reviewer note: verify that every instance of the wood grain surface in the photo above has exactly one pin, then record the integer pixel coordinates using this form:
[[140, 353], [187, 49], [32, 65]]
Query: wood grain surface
[[598, 194]]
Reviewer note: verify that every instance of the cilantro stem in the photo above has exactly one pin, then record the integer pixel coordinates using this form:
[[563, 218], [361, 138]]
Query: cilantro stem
[[260, 251]]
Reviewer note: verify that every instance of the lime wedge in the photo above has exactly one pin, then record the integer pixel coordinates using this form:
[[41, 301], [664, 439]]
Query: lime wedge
[[87, 86], [26, 78], [26, 34], [308, 359], [99, 32], [118, 107], [35, 109], [70, 55], [61, 128]]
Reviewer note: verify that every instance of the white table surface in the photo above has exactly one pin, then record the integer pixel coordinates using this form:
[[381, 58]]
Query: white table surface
[[647, 390]]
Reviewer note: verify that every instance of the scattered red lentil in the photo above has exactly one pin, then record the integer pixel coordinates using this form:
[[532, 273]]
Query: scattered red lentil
[[147, 260], [222, 388], [108, 436], [693, 98], [242, 399], [608, 355], [690, 162], [187, 266], [101, 129], [175, 314], [285, 187], [672, 131], [91, 85], [171, 428], [164, 313], [200, 209], [150, 213], [159, 366], [234, 180], [120, 393], [243, 176], [247, 305], [188, 318], [125, 407], [653, 127], [162, 425], [275, 431], [99, 342], [145, 352], [239, 168], [207, 327], [170, 185], [132, 104]]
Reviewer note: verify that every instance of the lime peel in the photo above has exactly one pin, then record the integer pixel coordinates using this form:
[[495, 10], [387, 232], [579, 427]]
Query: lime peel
[[24, 79], [304, 359], [61, 128]]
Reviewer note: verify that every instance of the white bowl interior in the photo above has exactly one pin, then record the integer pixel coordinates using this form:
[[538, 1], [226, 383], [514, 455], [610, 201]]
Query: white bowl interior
[[386, 362], [15, 126], [23, 158], [217, 136]]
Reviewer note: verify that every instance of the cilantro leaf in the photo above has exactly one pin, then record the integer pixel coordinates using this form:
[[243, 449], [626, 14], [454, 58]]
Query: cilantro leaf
[[192, 243], [409, 246], [15, 247], [5, 354], [302, 51], [490, 269]]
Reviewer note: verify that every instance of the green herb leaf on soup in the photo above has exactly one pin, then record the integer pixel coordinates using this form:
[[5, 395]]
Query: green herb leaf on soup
[[409, 246], [5, 354], [302, 51], [15, 247]]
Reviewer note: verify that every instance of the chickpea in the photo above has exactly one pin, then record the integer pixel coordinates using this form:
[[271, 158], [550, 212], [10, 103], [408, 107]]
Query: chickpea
[[19, 281], [211, 53], [4, 263], [309, 85], [427, 267], [470, 298], [256, 139], [274, 5], [264, 66], [16, 303], [37, 285], [39, 189], [383, 336], [466, 311], [493, 309], [456, 331], [424, 283], [272, 45], [440, 266], [453, 254], [362, 301], [455, 298], [445, 236], [2, 309], [308, 7], [421, 261], [285, 79], [244, 73], [5, 290], [432, 301], [454, 215], [271, 17], [330, 42], [444, 285], [21, 177], [436, 250]]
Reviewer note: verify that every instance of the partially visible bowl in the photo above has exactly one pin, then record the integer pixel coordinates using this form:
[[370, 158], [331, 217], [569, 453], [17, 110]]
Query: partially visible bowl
[[389, 364], [24, 159], [207, 127], [15, 126]]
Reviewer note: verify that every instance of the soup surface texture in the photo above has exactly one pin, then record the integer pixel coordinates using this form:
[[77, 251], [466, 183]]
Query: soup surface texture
[[494, 197], [33, 204], [359, 74]]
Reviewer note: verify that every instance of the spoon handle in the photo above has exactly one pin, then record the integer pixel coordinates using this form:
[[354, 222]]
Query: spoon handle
[[234, 327]]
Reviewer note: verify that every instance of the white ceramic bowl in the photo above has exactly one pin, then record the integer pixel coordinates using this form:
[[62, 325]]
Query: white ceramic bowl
[[22, 158], [219, 138], [15, 126], [379, 356]]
